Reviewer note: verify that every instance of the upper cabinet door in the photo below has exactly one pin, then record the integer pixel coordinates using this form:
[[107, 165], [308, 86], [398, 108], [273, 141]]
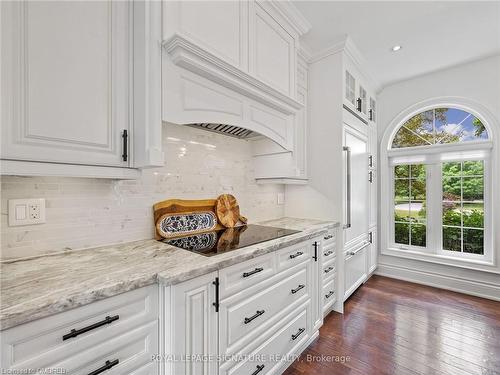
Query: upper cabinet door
[[219, 27], [273, 53], [66, 68]]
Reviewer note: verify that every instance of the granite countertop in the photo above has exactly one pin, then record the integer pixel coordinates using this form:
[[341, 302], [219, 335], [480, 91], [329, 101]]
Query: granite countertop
[[38, 287]]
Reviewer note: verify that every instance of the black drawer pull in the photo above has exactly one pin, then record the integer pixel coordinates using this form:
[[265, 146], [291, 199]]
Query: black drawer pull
[[329, 269], [329, 294], [328, 253], [76, 332], [259, 369], [301, 286], [328, 237], [257, 270], [297, 254], [301, 331], [106, 366], [256, 315]]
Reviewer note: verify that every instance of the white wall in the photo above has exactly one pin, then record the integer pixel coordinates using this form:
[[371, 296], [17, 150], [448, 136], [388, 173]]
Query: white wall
[[479, 82], [84, 213]]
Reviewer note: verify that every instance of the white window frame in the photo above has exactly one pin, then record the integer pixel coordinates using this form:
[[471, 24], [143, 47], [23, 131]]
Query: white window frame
[[480, 150]]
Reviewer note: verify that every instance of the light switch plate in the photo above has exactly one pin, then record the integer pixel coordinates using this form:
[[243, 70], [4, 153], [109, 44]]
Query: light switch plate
[[26, 211]]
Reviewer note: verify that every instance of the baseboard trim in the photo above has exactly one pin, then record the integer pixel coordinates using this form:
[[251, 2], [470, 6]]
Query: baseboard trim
[[474, 288]]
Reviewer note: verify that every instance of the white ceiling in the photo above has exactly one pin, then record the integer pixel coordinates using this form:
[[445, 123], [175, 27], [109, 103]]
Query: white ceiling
[[434, 35]]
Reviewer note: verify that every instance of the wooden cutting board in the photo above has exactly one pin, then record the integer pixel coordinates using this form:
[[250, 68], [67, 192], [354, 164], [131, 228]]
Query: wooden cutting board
[[228, 211]]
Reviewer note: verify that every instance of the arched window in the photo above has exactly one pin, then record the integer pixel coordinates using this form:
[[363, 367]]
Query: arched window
[[439, 174]]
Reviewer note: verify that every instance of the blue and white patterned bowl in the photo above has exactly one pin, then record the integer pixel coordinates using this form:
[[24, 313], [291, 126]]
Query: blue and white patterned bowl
[[181, 224]]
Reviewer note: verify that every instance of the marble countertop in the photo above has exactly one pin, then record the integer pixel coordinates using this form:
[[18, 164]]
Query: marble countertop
[[38, 287]]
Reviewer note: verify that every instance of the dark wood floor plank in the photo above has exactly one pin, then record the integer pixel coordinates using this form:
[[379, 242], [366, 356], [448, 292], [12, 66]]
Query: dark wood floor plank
[[396, 327]]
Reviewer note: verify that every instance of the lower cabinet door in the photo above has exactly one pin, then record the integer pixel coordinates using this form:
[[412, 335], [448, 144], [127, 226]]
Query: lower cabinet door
[[276, 352], [355, 270], [194, 327]]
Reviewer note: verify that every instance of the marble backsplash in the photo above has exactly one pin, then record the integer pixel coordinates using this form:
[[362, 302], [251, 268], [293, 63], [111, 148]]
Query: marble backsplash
[[84, 213]]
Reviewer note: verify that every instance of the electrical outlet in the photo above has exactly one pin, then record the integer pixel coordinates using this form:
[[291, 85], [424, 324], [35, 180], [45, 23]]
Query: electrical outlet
[[26, 211]]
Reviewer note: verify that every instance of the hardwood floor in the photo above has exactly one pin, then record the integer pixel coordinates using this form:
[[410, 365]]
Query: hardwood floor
[[396, 327]]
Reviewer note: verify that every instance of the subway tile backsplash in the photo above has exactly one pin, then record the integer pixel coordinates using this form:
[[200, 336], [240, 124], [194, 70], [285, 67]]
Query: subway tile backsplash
[[84, 213]]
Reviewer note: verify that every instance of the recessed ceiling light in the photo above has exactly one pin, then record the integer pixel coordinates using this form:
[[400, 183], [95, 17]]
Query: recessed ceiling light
[[396, 48]]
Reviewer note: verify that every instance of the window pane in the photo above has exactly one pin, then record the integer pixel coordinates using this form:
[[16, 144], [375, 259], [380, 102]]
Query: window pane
[[418, 235], [452, 188], [418, 171], [419, 212], [401, 190], [402, 233], [402, 171], [406, 138], [452, 214], [438, 126], [473, 168], [452, 169], [473, 215], [452, 238], [472, 188], [401, 211], [417, 188], [473, 241]]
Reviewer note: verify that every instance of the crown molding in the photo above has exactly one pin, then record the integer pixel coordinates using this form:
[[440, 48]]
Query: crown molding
[[292, 15], [347, 46], [190, 56]]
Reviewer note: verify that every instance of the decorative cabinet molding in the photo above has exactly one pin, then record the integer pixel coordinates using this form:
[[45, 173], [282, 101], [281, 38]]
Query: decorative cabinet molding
[[68, 95], [242, 72]]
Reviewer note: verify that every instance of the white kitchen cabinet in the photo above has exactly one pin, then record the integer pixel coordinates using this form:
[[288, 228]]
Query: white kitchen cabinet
[[243, 71], [272, 51], [123, 330], [67, 89], [194, 326], [356, 185], [355, 269], [372, 250]]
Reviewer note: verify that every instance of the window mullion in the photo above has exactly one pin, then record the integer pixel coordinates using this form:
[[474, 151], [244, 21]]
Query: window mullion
[[434, 208]]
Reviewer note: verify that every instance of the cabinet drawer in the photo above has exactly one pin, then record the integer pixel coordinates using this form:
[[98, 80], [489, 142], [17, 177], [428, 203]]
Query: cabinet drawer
[[285, 342], [243, 275], [329, 238], [329, 296], [244, 317], [293, 255], [51, 339], [355, 270], [329, 252], [132, 350], [328, 272]]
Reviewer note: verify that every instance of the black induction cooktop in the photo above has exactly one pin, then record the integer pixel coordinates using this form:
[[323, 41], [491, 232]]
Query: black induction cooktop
[[222, 241]]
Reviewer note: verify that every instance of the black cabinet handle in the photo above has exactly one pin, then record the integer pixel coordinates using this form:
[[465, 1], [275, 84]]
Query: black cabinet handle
[[370, 176], [297, 254], [315, 257], [106, 366], [370, 237], [259, 369], [256, 315], [257, 270], [328, 253], [358, 104], [370, 161], [326, 238], [300, 332], [329, 294], [370, 114], [216, 303], [125, 145], [301, 286], [76, 332], [329, 269]]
